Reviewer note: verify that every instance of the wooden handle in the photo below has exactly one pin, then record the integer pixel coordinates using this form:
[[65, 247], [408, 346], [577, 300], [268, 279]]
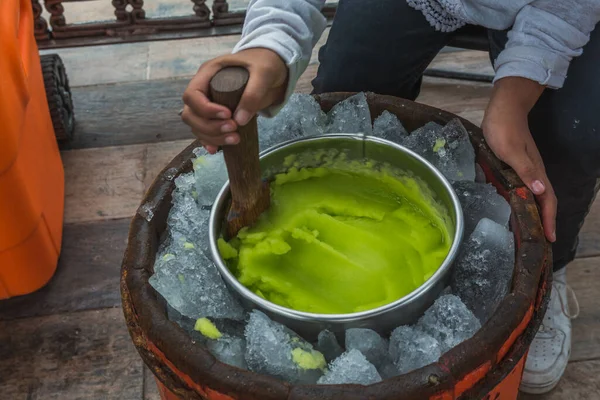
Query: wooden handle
[[249, 195]]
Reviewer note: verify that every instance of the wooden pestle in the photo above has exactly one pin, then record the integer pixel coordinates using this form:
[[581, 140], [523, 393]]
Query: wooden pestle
[[250, 195]]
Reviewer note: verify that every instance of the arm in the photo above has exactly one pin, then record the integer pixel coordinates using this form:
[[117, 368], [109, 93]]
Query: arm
[[546, 36], [506, 131], [275, 48], [290, 28]]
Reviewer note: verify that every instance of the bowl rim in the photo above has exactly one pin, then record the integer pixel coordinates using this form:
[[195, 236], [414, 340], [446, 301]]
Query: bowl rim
[[410, 297]]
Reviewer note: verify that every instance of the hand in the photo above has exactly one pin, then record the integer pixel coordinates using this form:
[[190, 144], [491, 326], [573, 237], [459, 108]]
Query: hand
[[506, 131], [212, 123]]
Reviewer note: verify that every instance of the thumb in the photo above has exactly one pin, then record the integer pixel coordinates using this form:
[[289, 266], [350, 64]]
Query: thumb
[[253, 98], [532, 172]]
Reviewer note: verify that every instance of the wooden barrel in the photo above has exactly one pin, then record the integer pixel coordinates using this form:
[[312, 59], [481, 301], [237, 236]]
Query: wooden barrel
[[487, 366]]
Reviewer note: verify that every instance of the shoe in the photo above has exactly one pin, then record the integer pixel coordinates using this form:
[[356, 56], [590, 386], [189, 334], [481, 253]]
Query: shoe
[[551, 348]]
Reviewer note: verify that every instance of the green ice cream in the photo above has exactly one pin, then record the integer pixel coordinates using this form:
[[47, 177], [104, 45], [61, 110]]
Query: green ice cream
[[341, 240]]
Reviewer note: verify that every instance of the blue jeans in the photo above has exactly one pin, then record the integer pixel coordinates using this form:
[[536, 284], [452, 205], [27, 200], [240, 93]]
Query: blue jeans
[[384, 46]]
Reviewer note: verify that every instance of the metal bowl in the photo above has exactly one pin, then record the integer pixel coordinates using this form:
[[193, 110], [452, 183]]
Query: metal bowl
[[405, 310]]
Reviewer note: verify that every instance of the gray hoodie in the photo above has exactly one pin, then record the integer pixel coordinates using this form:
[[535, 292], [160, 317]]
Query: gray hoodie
[[544, 36]]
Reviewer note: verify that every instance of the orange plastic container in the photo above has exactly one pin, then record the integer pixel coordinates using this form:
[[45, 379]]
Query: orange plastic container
[[31, 172]]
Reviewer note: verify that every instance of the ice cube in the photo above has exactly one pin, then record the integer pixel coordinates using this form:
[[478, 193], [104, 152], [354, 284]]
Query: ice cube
[[460, 165], [352, 367], [449, 321], [188, 224], [187, 220], [329, 345], [388, 126], [229, 350], [191, 284], [448, 148], [480, 200], [185, 213], [411, 349], [350, 116], [368, 342], [301, 116], [210, 174], [423, 140], [275, 350], [483, 271]]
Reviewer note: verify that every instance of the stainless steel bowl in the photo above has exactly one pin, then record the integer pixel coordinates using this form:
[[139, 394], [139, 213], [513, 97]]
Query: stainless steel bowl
[[405, 310]]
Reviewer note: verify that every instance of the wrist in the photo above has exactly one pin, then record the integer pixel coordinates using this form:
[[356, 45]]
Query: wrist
[[516, 95]]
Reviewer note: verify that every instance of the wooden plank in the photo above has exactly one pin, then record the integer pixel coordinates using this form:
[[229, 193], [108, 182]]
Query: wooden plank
[[129, 113], [103, 183], [87, 276], [583, 276], [182, 58], [304, 84], [137, 112], [580, 382], [84, 355], [589, 238], [159, 155], [464, 61], [104, 64], [466, 99], [109, 182], [144, 61]]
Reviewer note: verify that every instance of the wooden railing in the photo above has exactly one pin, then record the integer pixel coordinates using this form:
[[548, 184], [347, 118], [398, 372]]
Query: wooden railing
[[131, 22]]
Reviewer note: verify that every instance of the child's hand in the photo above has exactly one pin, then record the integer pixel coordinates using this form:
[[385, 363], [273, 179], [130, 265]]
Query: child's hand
[[506, 130], [212, 123]]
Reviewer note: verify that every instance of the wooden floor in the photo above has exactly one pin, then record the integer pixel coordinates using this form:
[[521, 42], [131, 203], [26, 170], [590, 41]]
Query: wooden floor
[[69, 340]]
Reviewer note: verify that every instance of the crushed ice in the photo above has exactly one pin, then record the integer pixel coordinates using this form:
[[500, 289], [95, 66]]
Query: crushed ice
[[200, 302]]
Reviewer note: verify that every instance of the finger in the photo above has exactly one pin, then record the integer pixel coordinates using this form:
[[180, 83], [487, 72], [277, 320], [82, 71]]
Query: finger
[[207, 127], [531, 170], [203, 107], [196, 94], [210, 148], [547, 200], [255, 96], [548, 204], [206, 140]]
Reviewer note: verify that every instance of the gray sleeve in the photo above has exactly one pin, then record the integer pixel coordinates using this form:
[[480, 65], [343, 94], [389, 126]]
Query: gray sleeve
[[290, 28], [546, 36]]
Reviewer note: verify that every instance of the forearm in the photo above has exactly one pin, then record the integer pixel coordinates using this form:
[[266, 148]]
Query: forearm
[[514, 95], [506, 131]]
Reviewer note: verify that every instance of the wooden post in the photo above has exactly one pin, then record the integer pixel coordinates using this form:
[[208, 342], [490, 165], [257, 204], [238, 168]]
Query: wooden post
[[250, 195]]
